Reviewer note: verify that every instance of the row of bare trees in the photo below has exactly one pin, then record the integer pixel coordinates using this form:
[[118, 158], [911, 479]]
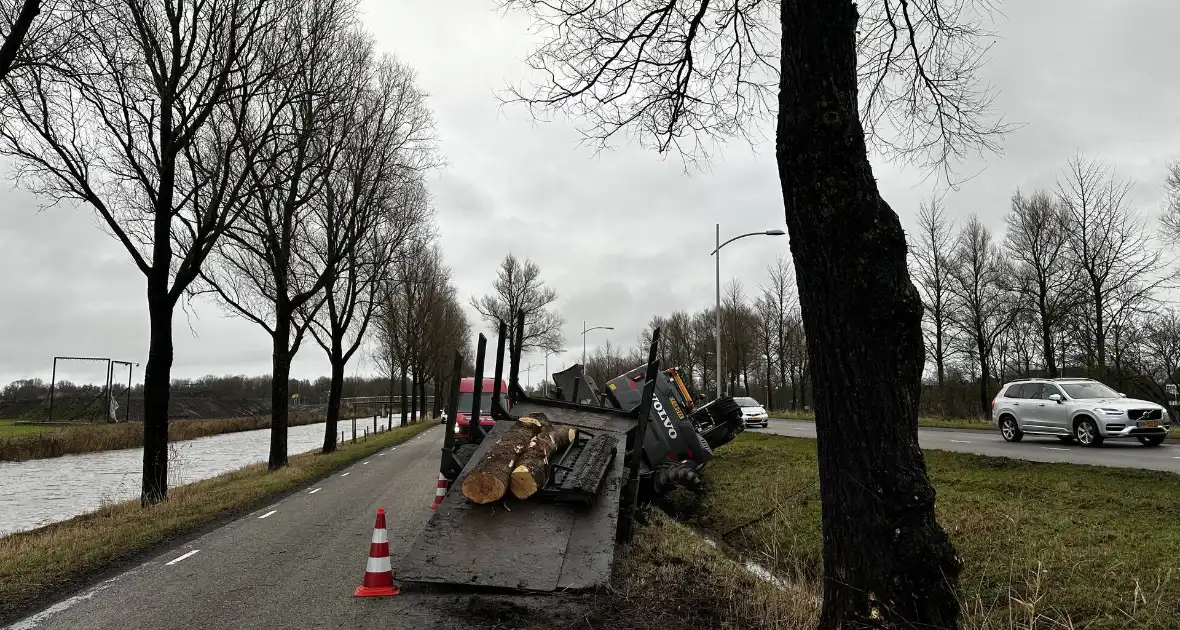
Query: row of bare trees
[[763, 347], [420, 327], [1071, 288], [259, 151]]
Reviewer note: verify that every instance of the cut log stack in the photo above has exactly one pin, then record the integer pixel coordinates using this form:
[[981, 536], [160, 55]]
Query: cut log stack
[[519, 460]]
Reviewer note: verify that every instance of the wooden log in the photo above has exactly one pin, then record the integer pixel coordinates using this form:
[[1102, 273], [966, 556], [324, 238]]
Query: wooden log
[[532, 469], [488, 479]]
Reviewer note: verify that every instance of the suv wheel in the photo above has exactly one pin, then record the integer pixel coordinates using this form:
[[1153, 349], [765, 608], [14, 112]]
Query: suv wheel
[[1154, 440], [1010, 430], [1086, 432]]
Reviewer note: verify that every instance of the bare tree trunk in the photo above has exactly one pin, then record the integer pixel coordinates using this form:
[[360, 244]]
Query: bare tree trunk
[[984, 377], [413, 396], [1047, 341], [281, 374], [335, 393], [887, 563], [1099, 335], [405, 403], [156, 384], [422, 396]]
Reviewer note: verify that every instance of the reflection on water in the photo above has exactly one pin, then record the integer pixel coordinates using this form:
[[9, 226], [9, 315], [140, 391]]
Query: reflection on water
[[43, 491]]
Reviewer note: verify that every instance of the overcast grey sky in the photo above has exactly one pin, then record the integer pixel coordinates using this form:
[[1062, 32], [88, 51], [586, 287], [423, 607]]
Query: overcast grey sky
[[624, 235]]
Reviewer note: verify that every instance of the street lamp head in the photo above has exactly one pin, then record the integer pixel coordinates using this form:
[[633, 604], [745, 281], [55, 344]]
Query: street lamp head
[[609, 327], [775, 232]]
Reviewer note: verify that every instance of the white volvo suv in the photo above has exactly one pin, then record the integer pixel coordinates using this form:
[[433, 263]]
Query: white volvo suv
[[1079, 409]]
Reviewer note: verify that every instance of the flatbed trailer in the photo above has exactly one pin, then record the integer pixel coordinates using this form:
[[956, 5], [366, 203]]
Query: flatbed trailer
[[561, 539]]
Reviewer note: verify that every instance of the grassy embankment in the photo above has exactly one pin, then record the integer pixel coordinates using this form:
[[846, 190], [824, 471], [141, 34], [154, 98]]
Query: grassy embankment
[[931, 423], [38, 565], [20, 442], [1043, 545], [10, 428]]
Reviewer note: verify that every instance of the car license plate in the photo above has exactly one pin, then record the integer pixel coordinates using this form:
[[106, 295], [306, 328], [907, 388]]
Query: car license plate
[[1149, 425]]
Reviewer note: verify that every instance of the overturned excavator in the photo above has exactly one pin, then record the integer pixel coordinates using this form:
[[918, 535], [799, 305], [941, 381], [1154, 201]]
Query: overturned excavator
[[644, 435]]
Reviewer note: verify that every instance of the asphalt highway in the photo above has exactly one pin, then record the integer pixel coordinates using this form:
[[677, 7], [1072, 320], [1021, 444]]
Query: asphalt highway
[[293, 564], [1115, 453]]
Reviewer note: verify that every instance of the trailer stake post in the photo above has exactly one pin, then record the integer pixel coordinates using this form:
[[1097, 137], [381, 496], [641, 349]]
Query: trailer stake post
[[474, 430], [630, 498], [497, 388], [514, 391]]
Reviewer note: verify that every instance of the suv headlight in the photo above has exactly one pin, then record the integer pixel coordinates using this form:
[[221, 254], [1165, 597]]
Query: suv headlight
[[1111, 412]]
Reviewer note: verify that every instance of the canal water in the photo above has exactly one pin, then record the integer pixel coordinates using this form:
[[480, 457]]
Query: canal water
[[42, 491]]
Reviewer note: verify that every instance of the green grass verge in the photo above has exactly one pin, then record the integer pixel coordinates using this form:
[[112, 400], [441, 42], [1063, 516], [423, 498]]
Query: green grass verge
[[39, 565], [930, 423], [1043, 545], [10, 428]]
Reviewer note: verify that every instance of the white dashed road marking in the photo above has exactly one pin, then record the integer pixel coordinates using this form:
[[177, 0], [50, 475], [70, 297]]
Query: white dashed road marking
[[1054, 448], [365, 464], [315, 491], [268, 514], [187, 555], [960, 441], [346, 474]]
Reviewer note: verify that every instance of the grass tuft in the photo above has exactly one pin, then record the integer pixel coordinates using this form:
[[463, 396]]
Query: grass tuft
[[37, 565]]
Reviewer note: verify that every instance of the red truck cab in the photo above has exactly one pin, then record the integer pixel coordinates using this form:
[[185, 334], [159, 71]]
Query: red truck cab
[[466, 397]]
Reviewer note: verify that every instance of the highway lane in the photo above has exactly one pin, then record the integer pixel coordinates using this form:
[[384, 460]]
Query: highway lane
[[1114, 453], [293, 564]]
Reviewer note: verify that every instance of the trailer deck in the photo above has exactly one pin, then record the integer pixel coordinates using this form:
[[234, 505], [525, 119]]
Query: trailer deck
[[533, 545]]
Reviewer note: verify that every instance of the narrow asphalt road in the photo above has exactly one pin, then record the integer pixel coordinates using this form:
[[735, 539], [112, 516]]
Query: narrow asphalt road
[[1116, 453], [293, 564]]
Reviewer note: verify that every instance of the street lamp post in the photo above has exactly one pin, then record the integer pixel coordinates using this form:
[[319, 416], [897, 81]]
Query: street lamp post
[[528, 375], [586, 330], [717, 253]]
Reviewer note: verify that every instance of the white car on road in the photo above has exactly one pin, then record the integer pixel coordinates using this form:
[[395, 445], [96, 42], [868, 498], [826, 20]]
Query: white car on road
[[1079, 409], [753, 413]]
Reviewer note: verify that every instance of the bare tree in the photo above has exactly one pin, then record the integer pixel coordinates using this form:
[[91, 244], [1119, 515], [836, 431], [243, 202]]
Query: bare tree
[[149, 125], [377, 181], [780, 298], [519, 287], [932, 256], [1038, 245], [678, 74], [982, 306], [1156, 353], [267, 270], [1170, 219], [1110, 248]]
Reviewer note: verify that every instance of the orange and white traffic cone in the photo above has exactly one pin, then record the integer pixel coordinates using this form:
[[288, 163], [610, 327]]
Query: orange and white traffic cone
[[440, 492], [378, 580]]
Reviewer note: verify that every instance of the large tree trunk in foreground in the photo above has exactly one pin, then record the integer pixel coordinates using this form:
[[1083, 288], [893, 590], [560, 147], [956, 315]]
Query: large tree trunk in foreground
[[887, 563], [335, 393], [281, 373], [156, 389], [531, 471], [489, 479]]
